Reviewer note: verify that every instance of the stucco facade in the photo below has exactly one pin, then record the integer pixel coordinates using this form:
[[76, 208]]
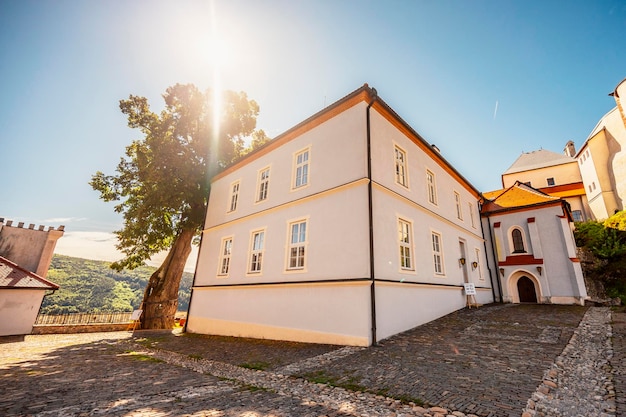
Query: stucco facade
[[602, 160], [305, 240], [533, 246]]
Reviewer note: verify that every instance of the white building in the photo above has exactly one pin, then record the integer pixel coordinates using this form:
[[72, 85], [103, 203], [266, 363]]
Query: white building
[[534, 248], [347, 229]]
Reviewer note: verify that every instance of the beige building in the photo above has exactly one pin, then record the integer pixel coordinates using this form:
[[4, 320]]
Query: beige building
[[555, 174], [602, 160], [25, 256]]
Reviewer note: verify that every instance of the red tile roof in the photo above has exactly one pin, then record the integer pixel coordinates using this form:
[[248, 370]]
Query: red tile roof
[[517, 196], [12, 276]]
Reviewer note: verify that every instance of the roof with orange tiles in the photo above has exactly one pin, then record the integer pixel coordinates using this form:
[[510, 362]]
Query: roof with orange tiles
[[13, 276], [517, 196], [541, 158]]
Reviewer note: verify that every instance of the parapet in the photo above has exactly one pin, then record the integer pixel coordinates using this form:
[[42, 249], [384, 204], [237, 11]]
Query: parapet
[[31, 226]]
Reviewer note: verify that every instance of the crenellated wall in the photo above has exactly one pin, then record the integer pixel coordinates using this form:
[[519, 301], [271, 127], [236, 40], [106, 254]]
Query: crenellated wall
[[29, 247]]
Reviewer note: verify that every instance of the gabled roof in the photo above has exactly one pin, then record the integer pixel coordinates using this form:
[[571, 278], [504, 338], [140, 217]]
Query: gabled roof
[[517, 196], [365, 94], [12, 276], [538, 159]]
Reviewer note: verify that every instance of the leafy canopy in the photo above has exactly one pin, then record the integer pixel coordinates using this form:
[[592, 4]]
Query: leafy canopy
[[162, 184]]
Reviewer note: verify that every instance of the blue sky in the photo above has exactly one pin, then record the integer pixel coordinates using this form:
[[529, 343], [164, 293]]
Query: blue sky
[[483, 80]]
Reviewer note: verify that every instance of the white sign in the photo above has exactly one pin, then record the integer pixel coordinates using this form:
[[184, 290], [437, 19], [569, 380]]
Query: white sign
[[136, 314], [470, 289]]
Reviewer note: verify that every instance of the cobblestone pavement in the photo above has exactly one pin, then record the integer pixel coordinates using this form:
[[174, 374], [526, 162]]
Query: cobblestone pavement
[[619, 361], [484, 362]]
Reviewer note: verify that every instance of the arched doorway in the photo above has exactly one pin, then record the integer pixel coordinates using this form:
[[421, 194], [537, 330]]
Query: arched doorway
[[526, 290]]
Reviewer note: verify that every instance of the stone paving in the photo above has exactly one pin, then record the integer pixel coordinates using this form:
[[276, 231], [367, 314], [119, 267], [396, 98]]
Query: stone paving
[[485, 362]]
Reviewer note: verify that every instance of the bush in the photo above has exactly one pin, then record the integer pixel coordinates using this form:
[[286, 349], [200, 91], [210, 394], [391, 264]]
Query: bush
[[604, 242]]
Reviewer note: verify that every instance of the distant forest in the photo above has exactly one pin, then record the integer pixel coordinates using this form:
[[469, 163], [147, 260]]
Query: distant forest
[[92, 286]]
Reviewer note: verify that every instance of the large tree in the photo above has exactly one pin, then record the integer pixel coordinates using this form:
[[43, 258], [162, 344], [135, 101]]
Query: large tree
[[162, 184]]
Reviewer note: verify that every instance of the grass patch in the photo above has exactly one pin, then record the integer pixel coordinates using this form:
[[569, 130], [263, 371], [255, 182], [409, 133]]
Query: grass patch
[[144, 358], [351, 384], [254, 388], [195, 356], [259, 366]]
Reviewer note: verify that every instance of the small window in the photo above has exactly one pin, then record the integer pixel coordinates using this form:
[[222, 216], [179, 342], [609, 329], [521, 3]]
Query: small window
[[227, 247], [256, 251], [437, 253], [264, 183], [527, 183], [400, 156], [297, 245], [457, 201], [518, 241], [550, 182], [301, 177], [577, 215], [593, 184], [432, 187], [404, 235], [471, 212], [234, 196]]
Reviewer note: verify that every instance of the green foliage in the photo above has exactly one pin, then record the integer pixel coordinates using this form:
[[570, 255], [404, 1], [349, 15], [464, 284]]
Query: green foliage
[[92, 286], [604, 242], [616, 221], [162, 184]]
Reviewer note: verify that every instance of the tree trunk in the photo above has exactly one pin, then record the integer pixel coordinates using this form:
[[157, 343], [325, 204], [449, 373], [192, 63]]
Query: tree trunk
[[160, 300]]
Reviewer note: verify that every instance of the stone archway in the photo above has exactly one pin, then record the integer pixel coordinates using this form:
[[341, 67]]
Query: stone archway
[[526, 290]]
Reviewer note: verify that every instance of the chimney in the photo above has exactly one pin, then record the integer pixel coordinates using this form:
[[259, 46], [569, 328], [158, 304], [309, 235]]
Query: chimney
[[570, 149]]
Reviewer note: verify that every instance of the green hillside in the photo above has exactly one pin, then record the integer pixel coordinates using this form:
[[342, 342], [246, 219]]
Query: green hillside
[[91, 286]]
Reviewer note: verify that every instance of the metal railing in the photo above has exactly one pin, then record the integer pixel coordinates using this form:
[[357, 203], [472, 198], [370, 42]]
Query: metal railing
[[83, 319]]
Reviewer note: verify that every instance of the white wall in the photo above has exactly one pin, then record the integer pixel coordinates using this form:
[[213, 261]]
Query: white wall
[[567, 173], [334, 313], [18, 310]]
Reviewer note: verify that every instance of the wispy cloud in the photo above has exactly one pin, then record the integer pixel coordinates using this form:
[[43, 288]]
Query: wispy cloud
[[64, 220], [495, 111]]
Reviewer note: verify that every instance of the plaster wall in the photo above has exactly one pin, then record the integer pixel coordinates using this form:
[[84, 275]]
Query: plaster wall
[[18, 310], [337, 156], [567, 173], [403, 306], [334, 313], [29, 248], [337, 241]]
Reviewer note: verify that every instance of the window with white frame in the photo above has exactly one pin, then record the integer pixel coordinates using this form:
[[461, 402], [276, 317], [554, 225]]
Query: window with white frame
[[224, 263], [256, 251], [301, 177], [297, 245], [406, 242], [437, 253], [478, 266], [401, 177], [264, 183], [459, 210], [234, 196], [432, 188], [471, 212], [550, 181], [518, 241]]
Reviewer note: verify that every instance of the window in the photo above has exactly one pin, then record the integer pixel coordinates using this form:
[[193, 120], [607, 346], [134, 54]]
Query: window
[[301, 169], [577, 215], [401, 167], [404, 235], [471, 212], [550, 182], [478, 266], [518, 241], [297, 245], [593, 184], [527, 183], [234, 196], [227, 247], [459, 210], [430, 183], [264, 183], [256, 252], [437, 253]]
